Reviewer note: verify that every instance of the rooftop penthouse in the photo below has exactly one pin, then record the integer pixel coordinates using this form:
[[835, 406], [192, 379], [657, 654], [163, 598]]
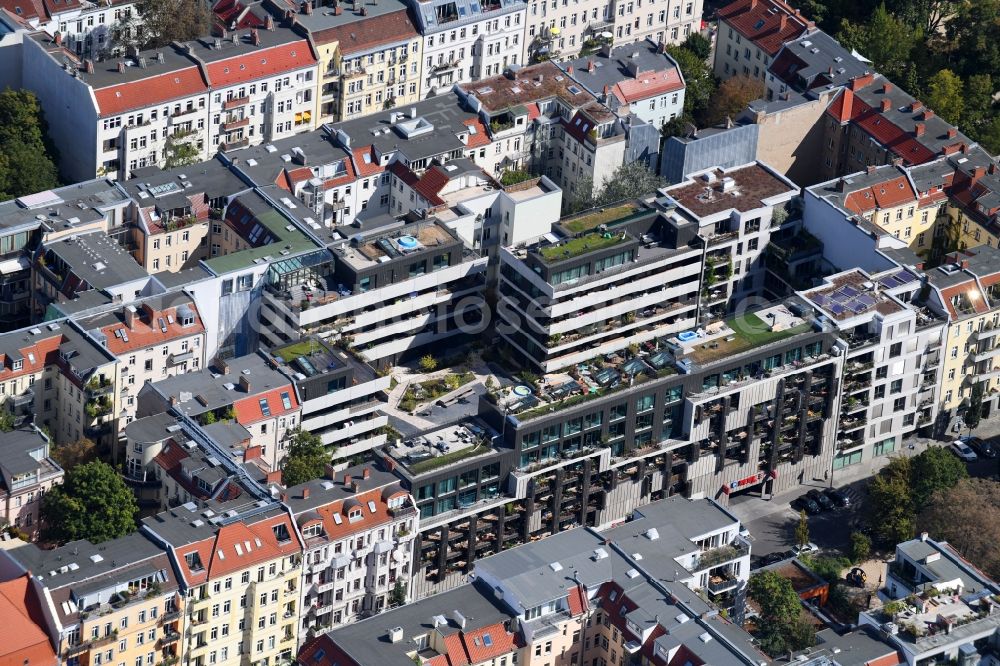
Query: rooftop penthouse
[[741, 189], [402, 243]]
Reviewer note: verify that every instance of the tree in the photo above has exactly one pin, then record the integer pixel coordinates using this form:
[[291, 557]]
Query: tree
[[945, 95], [180, 153], [698, 44], [92, 503], [861, 547], [974, 412], [397, 595], [802, 529], [890, 512], [306, 459], [731, 97], [978, 102], [27, 154], [76, 453], [428, 363], [629, 181], [166, 21], [933, 470], [780, 629], [700, 84], [6, 421], [977, 503], [883, 39], [580, 196]]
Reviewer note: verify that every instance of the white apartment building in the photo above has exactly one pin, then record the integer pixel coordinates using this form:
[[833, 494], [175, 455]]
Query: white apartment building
[[357, 528], [670, 22], [892, 359], [733, 212], [465, 40], [88, 28], [263, 85], [560, 28], [153, 338]]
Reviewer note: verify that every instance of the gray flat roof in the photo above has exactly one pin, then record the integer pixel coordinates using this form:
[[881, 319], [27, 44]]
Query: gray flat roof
[[152, 428], [98, 259], [171, 187], [367, 641], [609, 70], [15, 449], [63, 207], [325, 491]]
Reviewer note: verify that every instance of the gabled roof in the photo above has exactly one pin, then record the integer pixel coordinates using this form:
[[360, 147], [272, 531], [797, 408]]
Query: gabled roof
[[250, 410], [155, 89], [260, 63], [648, 84], [22, 637], [767, 23], [370, 32]]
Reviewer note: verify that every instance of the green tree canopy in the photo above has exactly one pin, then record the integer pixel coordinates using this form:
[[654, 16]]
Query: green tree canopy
[[306, 459], [92, 503], [884, 39], [165, 21], [27, 155], [934, 469], [974, 412], [891, 513], [629, 181], [781, 626], [75, 453], [802, 529], [731, 97], [700, 84], [945, 94], [698, 44]]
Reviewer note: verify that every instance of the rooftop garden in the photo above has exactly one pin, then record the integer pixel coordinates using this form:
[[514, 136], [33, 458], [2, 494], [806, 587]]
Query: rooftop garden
[[580, 245], [433, 389], [748, 331], [298, 350], [515, 176], [597, 217]]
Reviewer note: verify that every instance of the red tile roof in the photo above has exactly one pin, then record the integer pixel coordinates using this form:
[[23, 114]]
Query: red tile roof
[[890, 193], [257, 543], [646, 85], [481, 138], [476, 648], [22, 638], [455, 650], [848, 107], [767, 23], [146, 329], [369, 168], [373, 31], [369, 519], [577, 601], [421, 185], [156, 89], [260, 64], [25, 9], [248, 410]]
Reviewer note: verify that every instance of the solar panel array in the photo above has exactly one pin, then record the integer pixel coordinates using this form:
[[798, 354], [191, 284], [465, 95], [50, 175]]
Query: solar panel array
[[846, 301], [897, 279]]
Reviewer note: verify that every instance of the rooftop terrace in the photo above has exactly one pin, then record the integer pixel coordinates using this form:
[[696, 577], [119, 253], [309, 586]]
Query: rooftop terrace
[[439, 448], [744, 189], [738, 334]]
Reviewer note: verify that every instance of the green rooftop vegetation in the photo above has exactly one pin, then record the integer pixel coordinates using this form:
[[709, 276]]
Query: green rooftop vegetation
[[297, 350], [595, 218], [448, 458], [749, 331], [580, 245]]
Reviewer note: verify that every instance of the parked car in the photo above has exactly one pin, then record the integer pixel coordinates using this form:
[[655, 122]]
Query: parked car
[[825, 503], [807, 548], [962, 450], [983, 447], [838, 496], [807, 504], [773, 558]]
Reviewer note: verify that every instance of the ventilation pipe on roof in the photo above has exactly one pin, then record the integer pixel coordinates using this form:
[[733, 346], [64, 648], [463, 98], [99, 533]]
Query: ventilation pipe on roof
[[88, 66], [121, 66]]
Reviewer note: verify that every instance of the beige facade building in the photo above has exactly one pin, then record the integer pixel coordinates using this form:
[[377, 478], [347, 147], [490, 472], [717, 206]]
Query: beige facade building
[[751, 33], [26, 473]]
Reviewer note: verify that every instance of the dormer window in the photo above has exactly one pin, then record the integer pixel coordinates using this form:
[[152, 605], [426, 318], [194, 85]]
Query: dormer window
[[313, 530], [354, 514], [18, 364]]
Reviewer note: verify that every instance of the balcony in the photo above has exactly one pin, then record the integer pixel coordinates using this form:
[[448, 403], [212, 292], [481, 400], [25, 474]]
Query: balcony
[[235, 124], [234, 145], [235, 103], [721, 555], [722, 584], [168, 638]]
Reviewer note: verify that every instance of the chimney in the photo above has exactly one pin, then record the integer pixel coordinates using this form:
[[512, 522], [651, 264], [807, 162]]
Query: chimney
[[886, 105], [887, 88], [305, 493], [569, 70], [173, 400], [269, 22], [978, 173], [590, 66], [222, 365], [916, 106], [159, 57], [254, 38], [841, 185], [223, 33], [952, 132], [928, 114], [244, 384], [130, 316], [337, 10], [283, 497], [307, 8], [236, 38], [367, 473], [753, 4], [218, 44], [356, 487], [347, 479], [88, 66], [364, 11], [871, 169], [413, 112], [964, 264], [58, 38], [252, 453], [923, 536], [782, 22], [918, 129], [121, 66], [607, 91]]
